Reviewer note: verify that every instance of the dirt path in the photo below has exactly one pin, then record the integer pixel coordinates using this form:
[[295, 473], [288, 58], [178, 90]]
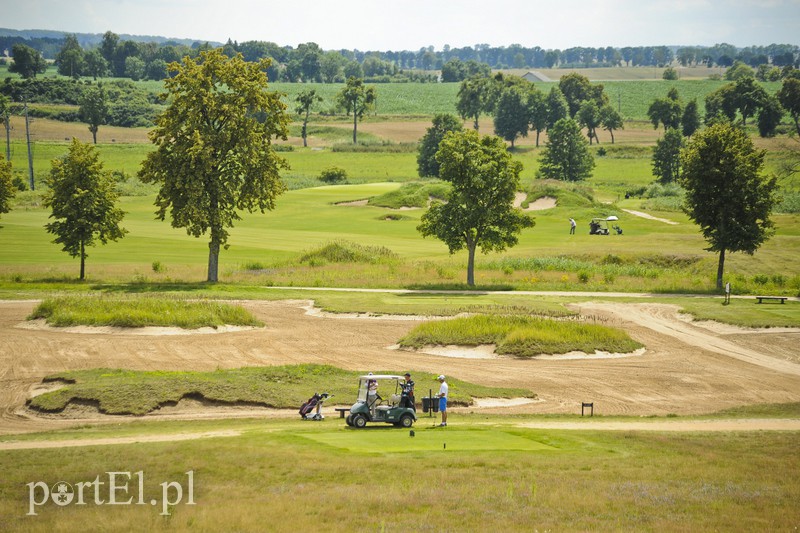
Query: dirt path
[[650, 217], [685, 370]]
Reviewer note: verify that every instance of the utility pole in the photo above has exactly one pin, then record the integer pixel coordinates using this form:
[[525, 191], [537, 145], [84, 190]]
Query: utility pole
[[7, 120], [28, 140]]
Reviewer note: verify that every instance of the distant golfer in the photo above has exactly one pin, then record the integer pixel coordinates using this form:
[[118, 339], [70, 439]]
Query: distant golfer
[[443, 390], [407, 398], [728, 292], [572, 225]]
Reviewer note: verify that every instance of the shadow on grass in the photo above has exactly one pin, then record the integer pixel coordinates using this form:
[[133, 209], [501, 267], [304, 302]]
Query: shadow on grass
[[143, 288], [476, 289]]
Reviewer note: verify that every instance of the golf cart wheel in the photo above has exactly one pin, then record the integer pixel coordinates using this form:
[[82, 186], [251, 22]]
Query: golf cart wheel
[[406, 421], [359, 421], [349, 420]]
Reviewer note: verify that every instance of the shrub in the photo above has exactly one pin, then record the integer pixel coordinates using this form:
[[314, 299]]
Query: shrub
[[584, 276], [19, 183], [333, 175], [347, 252], [761, 279], [157, 267]]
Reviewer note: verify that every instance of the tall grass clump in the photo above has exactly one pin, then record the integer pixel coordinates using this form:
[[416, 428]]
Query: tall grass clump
[[140, 311], [416, 194], [118, 391], [348, 252], [520, 336]]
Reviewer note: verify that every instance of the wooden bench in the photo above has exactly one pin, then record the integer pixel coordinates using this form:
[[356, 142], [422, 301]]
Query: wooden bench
[[342, 411], [590, 405], [781, 298]]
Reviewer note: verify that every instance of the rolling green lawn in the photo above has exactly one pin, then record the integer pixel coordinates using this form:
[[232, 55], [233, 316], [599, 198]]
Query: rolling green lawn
[[306, 219]]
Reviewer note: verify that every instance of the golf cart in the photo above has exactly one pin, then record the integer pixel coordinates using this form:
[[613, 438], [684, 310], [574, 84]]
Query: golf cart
[[370, 406], [599, 226]]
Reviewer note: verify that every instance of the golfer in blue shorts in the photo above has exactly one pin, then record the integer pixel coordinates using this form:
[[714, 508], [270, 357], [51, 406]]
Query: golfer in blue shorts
[[443, 389]]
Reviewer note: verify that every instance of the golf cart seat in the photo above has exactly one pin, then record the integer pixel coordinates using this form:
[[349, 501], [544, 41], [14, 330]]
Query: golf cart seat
[[383, 408], [395, 399]]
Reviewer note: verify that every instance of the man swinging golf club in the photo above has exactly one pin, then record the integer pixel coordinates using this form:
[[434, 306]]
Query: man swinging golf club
[[443, 389]]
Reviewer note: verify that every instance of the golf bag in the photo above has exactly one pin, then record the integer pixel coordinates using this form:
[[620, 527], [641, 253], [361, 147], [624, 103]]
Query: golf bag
[[312, 403]]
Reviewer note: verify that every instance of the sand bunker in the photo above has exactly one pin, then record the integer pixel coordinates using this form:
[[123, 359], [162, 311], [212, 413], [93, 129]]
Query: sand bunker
[[545, 202], [41, 324], [354, 203], [487, 351]]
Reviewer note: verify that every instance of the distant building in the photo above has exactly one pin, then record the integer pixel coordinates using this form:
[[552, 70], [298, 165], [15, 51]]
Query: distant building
[[534, 76]]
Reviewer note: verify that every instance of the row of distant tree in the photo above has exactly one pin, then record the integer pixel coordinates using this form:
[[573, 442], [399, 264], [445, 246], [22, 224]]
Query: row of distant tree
[[308, 62]]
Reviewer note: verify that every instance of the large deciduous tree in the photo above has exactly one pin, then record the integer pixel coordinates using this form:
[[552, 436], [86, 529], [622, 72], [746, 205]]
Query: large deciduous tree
[[94, 109], [611, 120], [473, 98], [70, 59], [667, 156], [557, 107], [427, 165], [7, 189], [83, 202], [357, 98], [589, 117], [566, 155], [214, 155], [577, 89], [511, 117], [538, 112], [690, 120], [28, 62], [479, 211], [726, 194], [666, 111], [789, 97], [305, 100]]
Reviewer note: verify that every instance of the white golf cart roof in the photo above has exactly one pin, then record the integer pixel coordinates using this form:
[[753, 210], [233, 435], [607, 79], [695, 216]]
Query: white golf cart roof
[[612, 217], [381, 376]]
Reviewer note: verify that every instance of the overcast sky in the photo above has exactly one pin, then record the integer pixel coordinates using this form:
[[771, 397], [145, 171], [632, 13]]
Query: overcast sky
[[413, 24]]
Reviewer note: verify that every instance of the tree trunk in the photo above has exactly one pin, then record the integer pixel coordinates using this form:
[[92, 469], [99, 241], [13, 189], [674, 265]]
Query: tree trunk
[[355, 124], [213, 259], [475, 123], [537, 138], [612, 136], [720, 268], [83, 261], [471, 265], [305, 130]]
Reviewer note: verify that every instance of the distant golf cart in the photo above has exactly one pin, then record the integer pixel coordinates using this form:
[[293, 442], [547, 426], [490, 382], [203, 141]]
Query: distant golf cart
[[599, 226], [371, 406]]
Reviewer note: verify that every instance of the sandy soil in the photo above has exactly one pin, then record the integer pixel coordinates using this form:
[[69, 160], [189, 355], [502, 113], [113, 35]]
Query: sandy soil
[[650, 217], [540, 204], [686, 368]]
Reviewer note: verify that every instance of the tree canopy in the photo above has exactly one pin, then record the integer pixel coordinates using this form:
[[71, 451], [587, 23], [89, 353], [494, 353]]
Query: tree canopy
[[427, 165], [667, 156], [789, 96], [28, 62], [214, 155], [356, 98], [305, 101], [726, 194], [511, 115], [479, 211], [83, 201], [566, 155], [94, 109], [7, 189]]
